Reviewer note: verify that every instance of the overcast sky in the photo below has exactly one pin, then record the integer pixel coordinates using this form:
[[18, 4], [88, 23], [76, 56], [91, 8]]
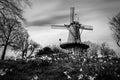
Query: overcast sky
[[44, 13]]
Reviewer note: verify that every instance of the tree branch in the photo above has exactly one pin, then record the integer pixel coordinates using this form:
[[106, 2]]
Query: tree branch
[[118, 43]]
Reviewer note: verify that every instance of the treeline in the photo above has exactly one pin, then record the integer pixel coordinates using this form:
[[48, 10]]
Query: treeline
[[55, 64]]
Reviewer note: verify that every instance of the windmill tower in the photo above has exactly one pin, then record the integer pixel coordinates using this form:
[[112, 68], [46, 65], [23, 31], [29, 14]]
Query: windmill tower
[[75, 30], [74, 33]]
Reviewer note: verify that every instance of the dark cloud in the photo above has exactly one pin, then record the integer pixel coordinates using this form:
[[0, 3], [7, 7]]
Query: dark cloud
[[49, 21], [110, 0], [85, 7]]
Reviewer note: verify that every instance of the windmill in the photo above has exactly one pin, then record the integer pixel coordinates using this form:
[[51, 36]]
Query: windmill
[[75, 31]]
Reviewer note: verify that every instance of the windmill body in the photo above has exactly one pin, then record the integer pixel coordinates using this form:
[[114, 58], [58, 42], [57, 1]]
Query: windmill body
[[74, 34]]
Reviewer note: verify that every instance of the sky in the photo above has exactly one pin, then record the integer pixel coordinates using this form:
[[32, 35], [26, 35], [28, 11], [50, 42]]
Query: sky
[[97, 13]]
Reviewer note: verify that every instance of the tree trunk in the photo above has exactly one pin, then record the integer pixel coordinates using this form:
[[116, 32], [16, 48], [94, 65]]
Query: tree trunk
[[4, 52], [23, 53], [30, 54]]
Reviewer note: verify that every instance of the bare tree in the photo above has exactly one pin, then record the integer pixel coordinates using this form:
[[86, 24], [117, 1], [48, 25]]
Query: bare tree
[[12, 8], [9, 32], [92, 51], [99, 50], [32, 47], [107, 51], [10, 12], [22, 43], [115, 27]]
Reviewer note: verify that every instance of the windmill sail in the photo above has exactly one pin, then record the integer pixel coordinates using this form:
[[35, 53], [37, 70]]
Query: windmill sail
[[86, 27], [74, 38], [72, 14], [74, 28], [58, 27]]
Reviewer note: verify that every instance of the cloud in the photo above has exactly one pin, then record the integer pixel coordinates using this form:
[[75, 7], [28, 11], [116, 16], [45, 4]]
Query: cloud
[[47, 12], [110, 1], [50, 20]]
